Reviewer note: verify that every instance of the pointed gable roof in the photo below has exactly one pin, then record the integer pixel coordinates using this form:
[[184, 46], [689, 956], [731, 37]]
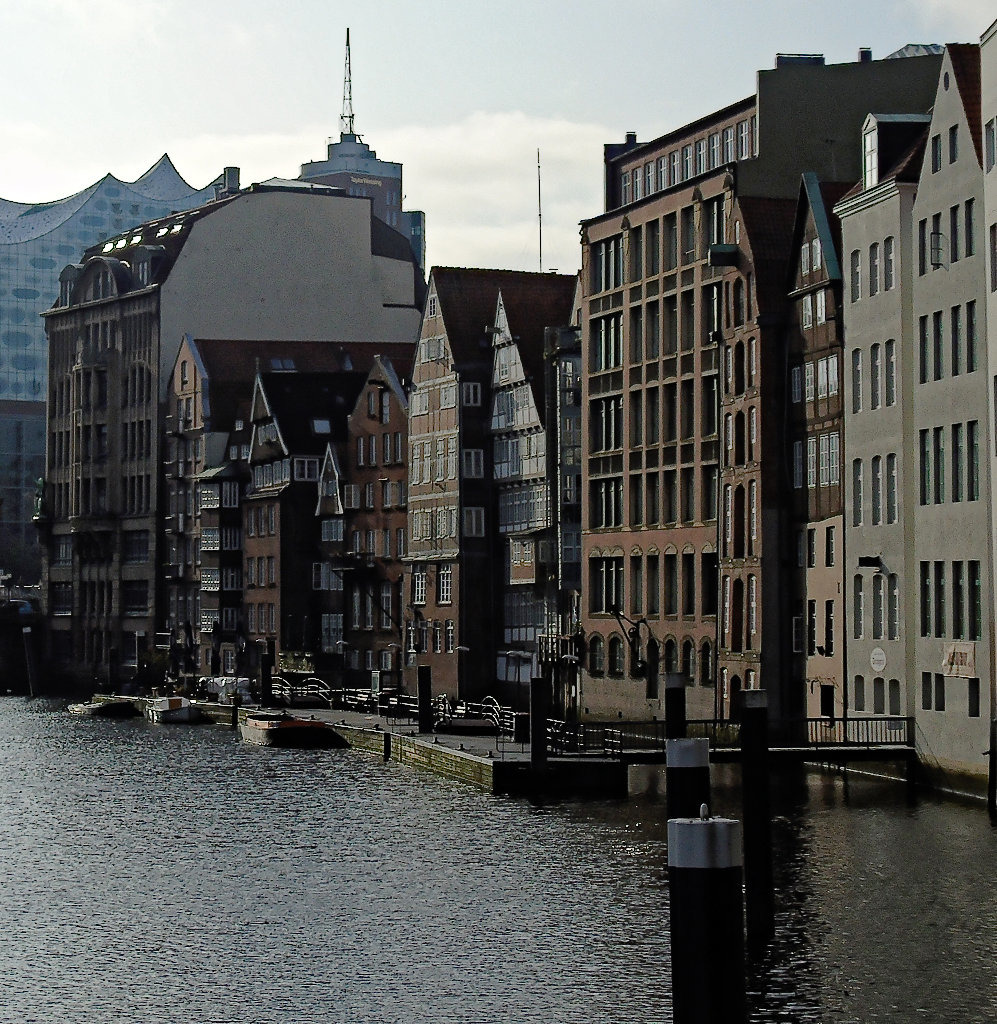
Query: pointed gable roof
[[295, 399], [965, 58], [468, 300]]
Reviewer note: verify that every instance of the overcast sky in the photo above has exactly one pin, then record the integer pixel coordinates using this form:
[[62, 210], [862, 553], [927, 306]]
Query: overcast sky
[[463, 93]]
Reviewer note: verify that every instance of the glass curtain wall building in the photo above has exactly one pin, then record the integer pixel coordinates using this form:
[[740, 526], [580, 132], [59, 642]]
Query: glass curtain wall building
[[36, 241]]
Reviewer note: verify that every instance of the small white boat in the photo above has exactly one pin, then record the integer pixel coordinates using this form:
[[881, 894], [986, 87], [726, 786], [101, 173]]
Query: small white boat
[[171, 709]]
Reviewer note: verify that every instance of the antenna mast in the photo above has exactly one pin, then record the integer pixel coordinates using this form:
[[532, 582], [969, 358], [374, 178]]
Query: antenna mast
[[540, 225], [346, 118]]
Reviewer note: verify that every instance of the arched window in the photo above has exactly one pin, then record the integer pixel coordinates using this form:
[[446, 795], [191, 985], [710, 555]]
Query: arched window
[[653, 669], [737, 617], [615, 656], [738, 302], [597, 656], [688, 660], [705, 664], [671, 656], [739, 439], [737, 522], [739, 368]]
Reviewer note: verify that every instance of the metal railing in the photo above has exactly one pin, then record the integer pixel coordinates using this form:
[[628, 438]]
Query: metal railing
[[611, 739], [310, 690]]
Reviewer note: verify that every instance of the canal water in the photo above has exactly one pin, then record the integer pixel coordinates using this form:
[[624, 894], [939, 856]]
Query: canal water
[[171, 874]]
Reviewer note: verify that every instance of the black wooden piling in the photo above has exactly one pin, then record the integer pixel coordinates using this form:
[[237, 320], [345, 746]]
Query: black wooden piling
[[705, 875], [757, 819], [539, 713], [424, 676], [675, 720], [687, 776]]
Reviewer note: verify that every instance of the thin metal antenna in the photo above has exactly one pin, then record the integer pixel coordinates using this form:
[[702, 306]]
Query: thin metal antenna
[[540, 224], [346, 118]]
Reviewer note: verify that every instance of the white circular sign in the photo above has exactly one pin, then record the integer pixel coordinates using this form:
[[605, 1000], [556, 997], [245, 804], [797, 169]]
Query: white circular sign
[[877, 660]]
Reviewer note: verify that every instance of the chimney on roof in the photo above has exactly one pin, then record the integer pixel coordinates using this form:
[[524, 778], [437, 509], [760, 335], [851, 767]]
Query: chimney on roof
[[631, 139], [227, 183], [865, 55]]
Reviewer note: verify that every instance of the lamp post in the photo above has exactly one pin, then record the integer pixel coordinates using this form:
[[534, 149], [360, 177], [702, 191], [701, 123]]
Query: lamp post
[[341, 646]]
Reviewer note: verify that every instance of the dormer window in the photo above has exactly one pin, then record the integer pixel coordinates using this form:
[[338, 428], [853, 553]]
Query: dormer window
[[870, 156]]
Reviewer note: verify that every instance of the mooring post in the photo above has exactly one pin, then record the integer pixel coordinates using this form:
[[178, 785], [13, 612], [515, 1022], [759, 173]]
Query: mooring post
[[424, 677], [687, 776], [29, 659], [674, 706], [705, 875], [235, 708], [757, 818], [539, 713]]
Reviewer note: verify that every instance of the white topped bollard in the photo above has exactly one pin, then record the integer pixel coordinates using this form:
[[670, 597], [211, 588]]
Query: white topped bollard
[[705, 882]]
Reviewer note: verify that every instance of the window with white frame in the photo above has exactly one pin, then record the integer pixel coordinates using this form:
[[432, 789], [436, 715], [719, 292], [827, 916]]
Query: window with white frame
[[811, 461], [419, 585], [808, 376], [444, 584], [796, 383], [797, 464]]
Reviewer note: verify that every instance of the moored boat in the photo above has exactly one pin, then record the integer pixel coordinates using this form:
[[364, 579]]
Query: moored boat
[[110, 708], [171, 709], [274, 729]]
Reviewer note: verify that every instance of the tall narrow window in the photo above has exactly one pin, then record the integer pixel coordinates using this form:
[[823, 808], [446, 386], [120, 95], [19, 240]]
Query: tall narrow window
[[957, 462], [875, 373], [857, 492], [874, 268], [877, 490], [856, 275], [891, 487], [891, 372], [955, 215], [893, 610], [939, 596], [956, 339], [958, 602], [878, 605], [858, 608], [888, 272], [856, 380], [973, 460], [925, 591]]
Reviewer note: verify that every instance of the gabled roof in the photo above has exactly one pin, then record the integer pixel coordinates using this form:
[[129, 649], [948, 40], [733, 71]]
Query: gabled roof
[[907, 168], [229, 366], [965, 59], [768, 226], [295, 399], [821, 197], [468, 300]]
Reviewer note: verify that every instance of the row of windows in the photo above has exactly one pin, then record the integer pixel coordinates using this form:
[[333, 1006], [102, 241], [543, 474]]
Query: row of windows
[[668, 660], [739, 623], [964, 461], [931, 245], [966, 595], [823, 460], [876, 475], [806, 547], [882, 376], [818, 379], [933, 693], [885, 621], [885, 254], [670, 496], [962, 352], [391, 449], [444, 584], [808, 644], [879, 692], [705, 154], [658, 584]]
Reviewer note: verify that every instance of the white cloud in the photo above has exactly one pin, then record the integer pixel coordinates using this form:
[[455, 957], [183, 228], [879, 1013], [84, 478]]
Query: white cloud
[[970, 17], [476, 180]]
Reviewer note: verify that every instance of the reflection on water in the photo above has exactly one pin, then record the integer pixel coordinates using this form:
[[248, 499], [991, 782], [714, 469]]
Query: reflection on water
[[171, 874]]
